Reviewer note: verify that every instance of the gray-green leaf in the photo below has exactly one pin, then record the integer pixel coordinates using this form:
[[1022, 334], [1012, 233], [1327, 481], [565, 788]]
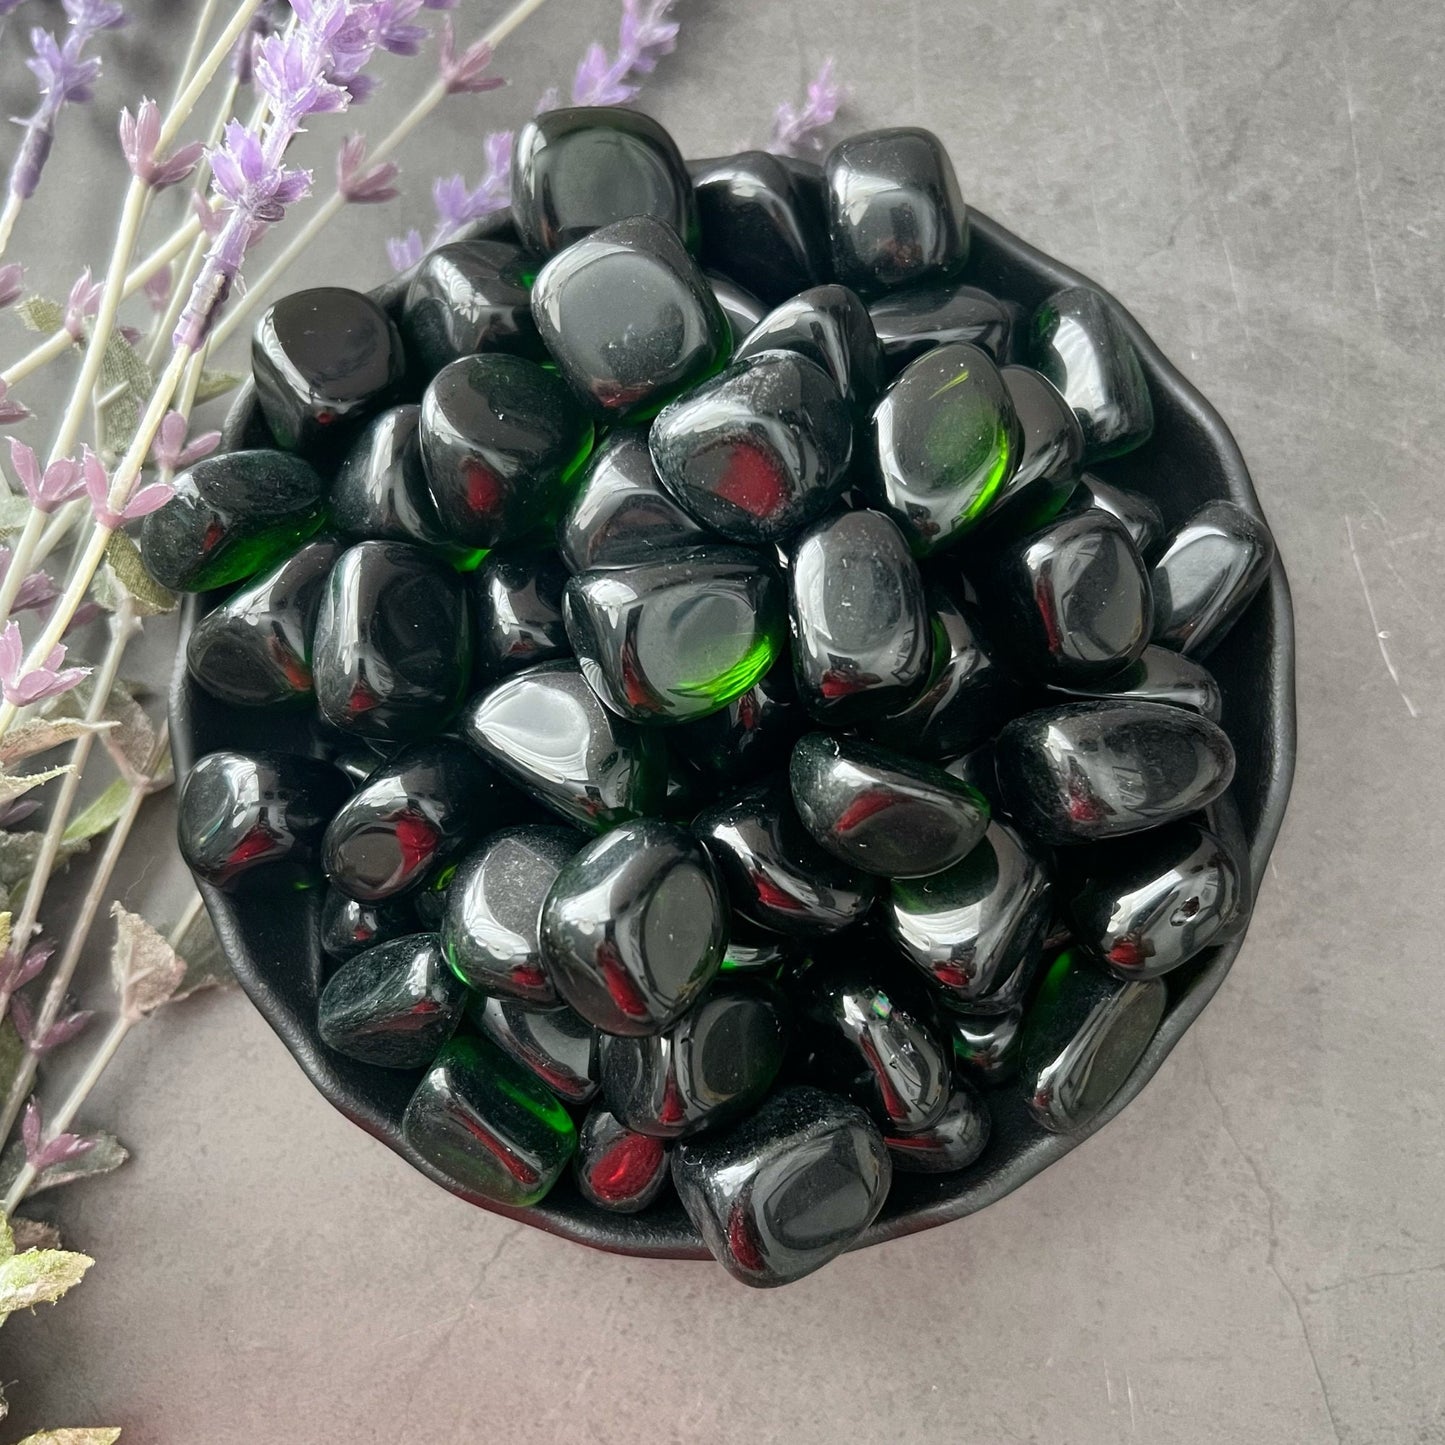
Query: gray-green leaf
[[146, 970], [101, 815], [206, 965], [41, 734], [125, 569], [107, 1153], [39, 1276], [15, 512], [216, 383], [83, 1436], [122, 368], [12, 1055], [39, 313], [12, 785]]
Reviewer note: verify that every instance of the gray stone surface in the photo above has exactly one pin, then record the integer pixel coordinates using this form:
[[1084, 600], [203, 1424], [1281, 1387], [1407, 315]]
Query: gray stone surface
[[1255, 1251]]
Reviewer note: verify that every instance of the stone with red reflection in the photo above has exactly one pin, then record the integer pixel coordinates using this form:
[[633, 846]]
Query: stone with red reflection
[[617, 1168]]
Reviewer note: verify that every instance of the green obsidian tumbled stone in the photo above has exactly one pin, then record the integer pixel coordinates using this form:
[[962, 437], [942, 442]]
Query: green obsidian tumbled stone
[[517, 607], [489, 1124], [1079, 343], [952, 1143], [556, 1044], [500, 440], [232, 515], [678, 638], [394, 1005], [349, 927], [934, 313], [617, 1168], [380, 489], [946, 440]]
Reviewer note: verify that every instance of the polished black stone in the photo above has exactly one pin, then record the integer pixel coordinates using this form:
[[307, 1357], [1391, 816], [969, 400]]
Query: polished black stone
[[1085, 1032], [953, 1143], [517, 608], [933, 313], [412, 816], [986, 1046], [619, 513], [777, 877], [616, 1168], [381, 490], [758, 451], [489, 1124], [349, 927], [680, 637], [394, 1005], [1017, 985], [1138, 513], [242, 812], [1086, 771], [976, 768], [1078, 341], [556, 1044], [629, 319], [324, 360], [788, 1189], [466, 297], [895, 212], [969, 928], [1070, 602], [760, 224], [577, 169], [1157, 675], [232, 516], [862, 643], [882, 812], [634, 927], [741, 309], [492, 924], [1214, 565], [244, 429], [753, 953], [711, 1067], [748, 738], [254, 649], [946, 440], [500, 439], [968, 696], [547, 731], [832, 328], [1145, 905], [393, 649]]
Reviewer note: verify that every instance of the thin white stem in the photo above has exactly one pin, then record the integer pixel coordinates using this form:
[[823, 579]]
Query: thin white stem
[[21, 560], [216, 57], [193, 50], [7, 219]]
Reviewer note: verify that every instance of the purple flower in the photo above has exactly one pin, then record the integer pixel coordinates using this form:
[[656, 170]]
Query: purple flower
[[158, 288], [456, 205], [47, 490], [11, 410], [357, 183], [645, 34], [794, 129], [406, 251], [82, 303], [173, 452], [97, 486], [291, 70], [37, 590], [252, 183], [59, 1150], [139, 135], [465, 73], [89, 17], [59, 70], [12, 283], [17, 968], [48, 680], [60, 1032], [394, 31]]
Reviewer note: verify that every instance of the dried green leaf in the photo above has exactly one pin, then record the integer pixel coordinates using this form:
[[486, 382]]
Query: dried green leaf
[[146, 970], [34, 1233], [206, 962], [107, 1153], [18, 852], [42, 734], [12, 785], [39, 313], [125, 571], [216, 383], [7, 1239], [122, 369], [12, 1055], [39, 1276], [15, 512], [83, 1436], [6, 921], [101, 815]]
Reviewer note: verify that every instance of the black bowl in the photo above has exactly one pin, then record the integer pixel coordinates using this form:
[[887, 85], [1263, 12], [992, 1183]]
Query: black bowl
[[273, 945]]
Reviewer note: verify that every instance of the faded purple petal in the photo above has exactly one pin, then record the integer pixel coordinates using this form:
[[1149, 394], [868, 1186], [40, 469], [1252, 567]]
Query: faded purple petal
[[11, 411], [158, 288], [793, 129], [30, 1127], [465, 73], [17, 812], [12, 284], [404, 252], [62, 1031], [149, 499], [358, 183]]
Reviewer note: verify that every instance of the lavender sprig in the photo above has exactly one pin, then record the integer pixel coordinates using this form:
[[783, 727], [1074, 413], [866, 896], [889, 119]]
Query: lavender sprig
[[50, 679], [139, 136], [12, 283], [645, 34], [11, 410], [798, 129]]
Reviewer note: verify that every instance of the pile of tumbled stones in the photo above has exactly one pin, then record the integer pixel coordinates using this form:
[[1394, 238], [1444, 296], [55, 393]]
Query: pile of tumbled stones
[[743, 747]]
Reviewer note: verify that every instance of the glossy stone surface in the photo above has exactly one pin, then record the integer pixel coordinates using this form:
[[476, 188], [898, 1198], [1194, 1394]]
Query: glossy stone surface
[[349, 927], [712, 1066], [243, 428], [871, 1038], [324, 360], [832, 328], [1085, 1033], [243, 812], [1157, 675], [953, 1143], [411, 817], [917, 318], [1214, 565], [619, 513], [968, 696], [882, 812], [393, 647], [1086, 771], [777, 877], [232, 516], [967, 929], [740, 308], [577, 169], [1070, 602], [751, 952], [554, 1043], [381, 490], [758, 451], [394, 1005], [547, 731], [1145, 905], [679, 637], [466, 297], [254, 650], [634, 926], [895, 213], [629, 319], [500, 439], [490, 1124], [862, 643], [751, 736], [946, 440], [517, 608], [788, 1189], [1079, 343], [616, 1168], [492, 925], [1139, 514], [986, 1046], [760, 225]]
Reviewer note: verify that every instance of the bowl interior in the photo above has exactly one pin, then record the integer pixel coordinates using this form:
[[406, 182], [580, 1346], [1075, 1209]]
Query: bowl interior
[[273, 941]]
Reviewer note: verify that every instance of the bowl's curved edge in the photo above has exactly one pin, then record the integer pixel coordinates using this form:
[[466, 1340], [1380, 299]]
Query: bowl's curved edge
[[672, 1237]]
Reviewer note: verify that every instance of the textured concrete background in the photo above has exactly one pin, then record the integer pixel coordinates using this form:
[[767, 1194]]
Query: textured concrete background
[[1255, 1251]]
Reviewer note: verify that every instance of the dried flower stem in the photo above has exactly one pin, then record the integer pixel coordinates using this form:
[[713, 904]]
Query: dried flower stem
[[193, 50], [8, 217]]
